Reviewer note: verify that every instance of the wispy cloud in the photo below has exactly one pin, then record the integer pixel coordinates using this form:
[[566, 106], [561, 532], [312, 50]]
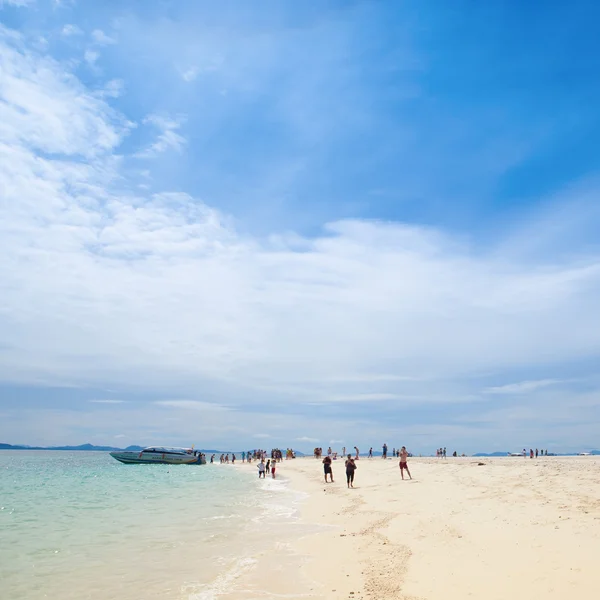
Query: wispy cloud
[[107, 401], [191, 405], [190, 74], [261, 436], [101, 38], [18, 3], [306, 438], [70, 30], [522, 387], [113, 88], [168, 138], [91, 57], [373, 397]]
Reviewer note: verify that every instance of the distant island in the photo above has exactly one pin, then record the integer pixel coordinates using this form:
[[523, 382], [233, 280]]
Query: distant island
[[84, 447], [92, 448]]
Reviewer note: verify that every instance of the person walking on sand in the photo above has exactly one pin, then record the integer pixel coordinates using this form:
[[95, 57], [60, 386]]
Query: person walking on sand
[[261, 469], [350, 468], [273, 466], [370, 452], [327, 468], [404, 462], [356, 448]]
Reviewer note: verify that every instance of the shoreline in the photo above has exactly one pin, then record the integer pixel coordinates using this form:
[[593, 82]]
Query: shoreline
[[492, 528]]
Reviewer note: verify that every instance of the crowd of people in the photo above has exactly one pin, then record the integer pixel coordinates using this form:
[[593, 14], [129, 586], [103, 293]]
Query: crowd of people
[[275, 455], [537, 452], [267, 461], [350, 462]]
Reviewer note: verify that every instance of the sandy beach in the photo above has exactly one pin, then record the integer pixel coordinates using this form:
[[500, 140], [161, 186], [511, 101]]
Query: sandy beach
[[493, 529]]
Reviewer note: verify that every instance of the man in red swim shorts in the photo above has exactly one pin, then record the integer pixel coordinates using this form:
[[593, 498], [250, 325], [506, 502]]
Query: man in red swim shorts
[[403, 462]]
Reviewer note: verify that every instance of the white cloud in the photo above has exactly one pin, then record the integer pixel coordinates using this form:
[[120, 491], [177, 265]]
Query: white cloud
[[168, 138], [364, 397], [191, 405], [190, 74], [101, 38], [70, 29], [107, 401], [45, 108], [18, 3], [523, 387], [91, 57], [305, 438], [261, 436], [113, 88]]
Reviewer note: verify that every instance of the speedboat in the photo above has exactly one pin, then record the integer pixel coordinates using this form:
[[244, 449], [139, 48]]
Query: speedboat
[[160, 455]]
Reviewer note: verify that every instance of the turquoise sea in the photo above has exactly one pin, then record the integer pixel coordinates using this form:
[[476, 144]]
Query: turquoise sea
[[80, 525]]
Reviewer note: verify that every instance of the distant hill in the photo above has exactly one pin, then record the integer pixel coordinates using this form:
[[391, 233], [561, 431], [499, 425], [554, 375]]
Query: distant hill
[[83, 447], [92, 448]]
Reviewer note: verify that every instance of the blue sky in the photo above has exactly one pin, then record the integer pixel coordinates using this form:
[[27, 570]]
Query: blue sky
[[317, 221]]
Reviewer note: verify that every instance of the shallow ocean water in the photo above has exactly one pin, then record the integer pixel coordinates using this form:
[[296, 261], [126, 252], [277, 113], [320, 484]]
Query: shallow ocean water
[[80, 525]]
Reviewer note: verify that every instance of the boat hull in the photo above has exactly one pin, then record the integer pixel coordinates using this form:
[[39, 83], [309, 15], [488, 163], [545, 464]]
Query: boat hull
[[139, 458]]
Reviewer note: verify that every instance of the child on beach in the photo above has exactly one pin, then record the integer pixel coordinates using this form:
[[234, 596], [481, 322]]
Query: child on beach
[[261, 469], [273, 469]]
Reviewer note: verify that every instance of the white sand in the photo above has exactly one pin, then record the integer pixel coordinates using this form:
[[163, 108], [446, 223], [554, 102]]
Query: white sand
[[513, 528]]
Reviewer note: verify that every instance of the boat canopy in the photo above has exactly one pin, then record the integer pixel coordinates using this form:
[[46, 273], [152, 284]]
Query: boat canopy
[[161, 450]]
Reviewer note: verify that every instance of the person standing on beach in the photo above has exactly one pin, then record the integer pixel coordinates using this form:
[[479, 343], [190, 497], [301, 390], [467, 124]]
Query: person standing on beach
[[273, 465], [356, 449], [261, 469], [350, 468], [384, 453], [370, 452], [327, 468], [404, 462]]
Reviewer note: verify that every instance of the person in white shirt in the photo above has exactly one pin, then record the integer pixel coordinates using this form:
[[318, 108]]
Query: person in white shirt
[[261, 469]]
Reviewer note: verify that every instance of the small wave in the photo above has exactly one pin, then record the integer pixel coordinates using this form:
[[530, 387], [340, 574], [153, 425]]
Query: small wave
[[220, 517], [225, 581]]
